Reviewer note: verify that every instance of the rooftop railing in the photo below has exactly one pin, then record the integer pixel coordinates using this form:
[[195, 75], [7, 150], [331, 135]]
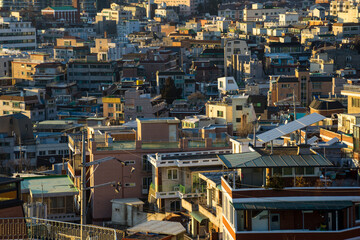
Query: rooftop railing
[[36, 228]]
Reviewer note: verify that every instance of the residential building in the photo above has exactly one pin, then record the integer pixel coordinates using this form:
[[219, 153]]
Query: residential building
[[346, 29], [34, 5], [56, 193], [130, 146], [234, 109], [108, 49], [16, 34], [353, 95], [187, 7], [326, 107], [24, 69], [70, 48], [339, 6], [231, 11], [197, 121], [176, 177], [12, 203], [34, 106], [258, 12], [91, 75], [280, 64], [115, 13], [287, 212], [347, 121], [286, 19], [304, 85], [183, 81], [17, 143]]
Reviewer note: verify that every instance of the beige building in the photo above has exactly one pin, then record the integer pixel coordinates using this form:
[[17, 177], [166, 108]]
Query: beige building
[[115, 13], [234, 109], [24, 69], [339, 6], [353, 94]]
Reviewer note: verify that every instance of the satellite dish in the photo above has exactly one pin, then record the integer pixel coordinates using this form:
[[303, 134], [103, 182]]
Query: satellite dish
[[52, 160]]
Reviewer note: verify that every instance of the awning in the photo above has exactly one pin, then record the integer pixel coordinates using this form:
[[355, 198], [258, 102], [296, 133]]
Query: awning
[[198, 216], [284, 205]]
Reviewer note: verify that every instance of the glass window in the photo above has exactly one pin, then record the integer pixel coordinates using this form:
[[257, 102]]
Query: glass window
[[220, 113], [238, 107], [309, 171], [277, 171], [299, 171], [287, 171], [172, 174]]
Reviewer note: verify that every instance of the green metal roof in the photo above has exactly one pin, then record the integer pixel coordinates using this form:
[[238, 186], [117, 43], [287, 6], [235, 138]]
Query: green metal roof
[[63, 8], [282, 205], [255, 160], [198, 216], [49, 186]]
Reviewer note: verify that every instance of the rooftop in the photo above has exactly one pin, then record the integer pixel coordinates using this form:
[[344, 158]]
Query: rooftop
[[49, 186], [160, 227]]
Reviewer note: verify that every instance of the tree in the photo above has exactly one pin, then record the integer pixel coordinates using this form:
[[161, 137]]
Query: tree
[[196, 97], [169, 91]]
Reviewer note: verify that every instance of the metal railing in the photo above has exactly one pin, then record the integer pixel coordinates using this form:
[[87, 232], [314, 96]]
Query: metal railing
[[36, 228]]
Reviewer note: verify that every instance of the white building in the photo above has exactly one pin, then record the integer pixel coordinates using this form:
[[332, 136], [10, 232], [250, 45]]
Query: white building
[[288, 18], [15, 34], [126, 27], [258, 13], [227, 84]]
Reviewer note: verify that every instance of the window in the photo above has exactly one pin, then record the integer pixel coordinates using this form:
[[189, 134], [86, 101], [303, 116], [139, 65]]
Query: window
[[309, 171], [130, 184], [42, 153], [6, 103], [287, 172], [110, 114], [52, 152], [277, 171], [175, 206], [57, 205], [110, 105], [238, 120], [130, 162], [299, 171], [146, 183], [146, 164], [316, 85], [16, 105], [172, 174], [220, 113], [139, 109], [239, 107], [357, 212]]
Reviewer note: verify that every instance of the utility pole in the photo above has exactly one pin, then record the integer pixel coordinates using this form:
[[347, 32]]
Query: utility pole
[[294, 104], [83, 185]]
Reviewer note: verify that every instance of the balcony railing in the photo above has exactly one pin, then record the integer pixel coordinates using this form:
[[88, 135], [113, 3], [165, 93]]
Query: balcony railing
[[35, 228]]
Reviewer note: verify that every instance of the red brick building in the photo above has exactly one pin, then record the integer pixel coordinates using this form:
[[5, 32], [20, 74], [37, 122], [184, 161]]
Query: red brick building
[[67, 13]]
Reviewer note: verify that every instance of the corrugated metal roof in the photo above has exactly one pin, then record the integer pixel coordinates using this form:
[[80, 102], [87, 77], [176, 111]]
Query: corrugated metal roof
[[198, 216], [282, 205], [255, 160]]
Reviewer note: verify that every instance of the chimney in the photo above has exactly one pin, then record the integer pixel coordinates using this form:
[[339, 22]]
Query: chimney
[[304, 149]]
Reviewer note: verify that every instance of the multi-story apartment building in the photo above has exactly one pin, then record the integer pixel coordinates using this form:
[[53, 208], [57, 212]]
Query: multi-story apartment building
[[258, 12], [134, 104], [34, 5], [131, 147], [70, 48], [15, 34], [353, 95], [304, 85], [115, 13], [176, 177], [187, 7], [234, 109], [183, 81], [25, 69], [91, 75], [35, 107], [339, 6], [268, 197], [108, 49]]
